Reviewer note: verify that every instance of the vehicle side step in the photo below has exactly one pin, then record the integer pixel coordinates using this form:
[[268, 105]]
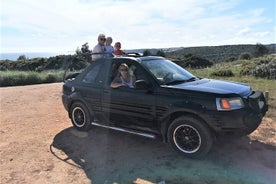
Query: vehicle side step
[[152, 136]]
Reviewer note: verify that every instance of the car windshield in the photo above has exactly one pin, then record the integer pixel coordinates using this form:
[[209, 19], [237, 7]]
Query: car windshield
[[167, 72]]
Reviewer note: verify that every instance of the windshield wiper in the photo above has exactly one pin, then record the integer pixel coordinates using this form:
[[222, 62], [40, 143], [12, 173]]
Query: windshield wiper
[[180, 81], [191, 79]]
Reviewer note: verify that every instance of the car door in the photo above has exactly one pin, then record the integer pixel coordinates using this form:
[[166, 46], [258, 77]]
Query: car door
[[91, 87], [130, 107]]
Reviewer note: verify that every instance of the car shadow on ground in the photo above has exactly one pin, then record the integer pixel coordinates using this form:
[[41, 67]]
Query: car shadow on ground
[[108, 156]]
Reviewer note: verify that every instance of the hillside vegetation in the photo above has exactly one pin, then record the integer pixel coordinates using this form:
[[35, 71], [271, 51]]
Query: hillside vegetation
[[252, 60], [223, 53]]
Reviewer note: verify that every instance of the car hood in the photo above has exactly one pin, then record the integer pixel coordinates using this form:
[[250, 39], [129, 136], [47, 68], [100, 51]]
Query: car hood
[[215, 86]]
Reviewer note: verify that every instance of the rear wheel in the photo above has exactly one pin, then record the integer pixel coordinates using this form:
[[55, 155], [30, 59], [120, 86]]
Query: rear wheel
[[80, 116], [190, 137]]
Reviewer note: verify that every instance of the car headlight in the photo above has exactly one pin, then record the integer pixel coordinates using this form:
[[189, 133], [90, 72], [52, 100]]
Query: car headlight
[[228, 104]]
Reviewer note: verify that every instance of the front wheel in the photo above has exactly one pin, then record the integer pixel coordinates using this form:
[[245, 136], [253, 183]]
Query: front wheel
[[80, 116], [190, 137]]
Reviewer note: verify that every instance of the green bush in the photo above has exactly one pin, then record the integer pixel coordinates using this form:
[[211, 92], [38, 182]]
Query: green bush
[[264, 67], [17, 78], [41, 64], [245, 55], [223, 73], [246, 67], [51, 78], [32, 78], [194, 61], [265, 71], [231, 59]]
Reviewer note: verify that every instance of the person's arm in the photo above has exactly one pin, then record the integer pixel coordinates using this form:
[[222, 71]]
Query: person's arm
[[116, 83]]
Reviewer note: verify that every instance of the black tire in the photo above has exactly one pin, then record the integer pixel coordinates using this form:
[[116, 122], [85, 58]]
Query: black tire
[[190, 137], [80, 116]]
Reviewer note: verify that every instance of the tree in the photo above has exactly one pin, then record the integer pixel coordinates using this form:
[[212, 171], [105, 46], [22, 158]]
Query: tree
[[260, 50], [85, 48], [147, 52], [160, 53], [78, 51], [84, 52], [22, 58]]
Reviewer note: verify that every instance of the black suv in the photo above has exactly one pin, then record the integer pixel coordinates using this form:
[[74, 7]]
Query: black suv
[[166, 102]]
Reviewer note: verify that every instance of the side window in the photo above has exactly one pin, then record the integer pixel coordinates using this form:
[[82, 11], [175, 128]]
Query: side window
[[134, 70], [140, 74], [90, 77]]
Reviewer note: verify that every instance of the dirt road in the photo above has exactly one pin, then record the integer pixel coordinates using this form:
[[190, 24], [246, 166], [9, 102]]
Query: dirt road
[[39, 145]]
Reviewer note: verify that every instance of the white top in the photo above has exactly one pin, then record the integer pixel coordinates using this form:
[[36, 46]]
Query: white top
[[129, 84], [98, 49]]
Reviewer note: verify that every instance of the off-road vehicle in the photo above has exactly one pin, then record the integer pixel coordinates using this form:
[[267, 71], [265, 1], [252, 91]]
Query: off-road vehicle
[[166, 102]]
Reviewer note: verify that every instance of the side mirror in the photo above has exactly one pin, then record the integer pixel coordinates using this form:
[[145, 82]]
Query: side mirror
[[141, 84]]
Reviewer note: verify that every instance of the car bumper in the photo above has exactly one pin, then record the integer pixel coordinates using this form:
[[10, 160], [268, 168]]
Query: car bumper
[[240, 122], [66, 100]]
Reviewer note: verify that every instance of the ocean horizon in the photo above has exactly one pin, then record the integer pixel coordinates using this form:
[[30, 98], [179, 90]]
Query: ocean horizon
[[14, 55]]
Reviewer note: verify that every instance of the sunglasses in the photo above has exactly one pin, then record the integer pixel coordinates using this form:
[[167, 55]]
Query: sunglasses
[[124, 70], [102, 39]]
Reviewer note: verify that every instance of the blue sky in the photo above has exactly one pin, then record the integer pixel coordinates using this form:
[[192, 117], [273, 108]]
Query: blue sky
[[62, 25]]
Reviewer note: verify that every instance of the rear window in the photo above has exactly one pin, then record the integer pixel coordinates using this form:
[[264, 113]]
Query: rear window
[[91, 76]]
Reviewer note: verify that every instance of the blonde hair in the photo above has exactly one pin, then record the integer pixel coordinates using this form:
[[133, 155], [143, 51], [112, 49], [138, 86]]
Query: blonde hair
[[123, 65]]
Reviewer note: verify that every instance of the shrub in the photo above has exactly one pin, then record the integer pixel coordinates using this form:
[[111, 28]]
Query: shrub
[[260, 50], [39, 69], [264, 67], [42, 64], [245, 55], [16, 78], [246, 67], [265, 71], [223, 73], [32, 78], [51, 78], [194, 61], [13, 78], [231, 59]]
